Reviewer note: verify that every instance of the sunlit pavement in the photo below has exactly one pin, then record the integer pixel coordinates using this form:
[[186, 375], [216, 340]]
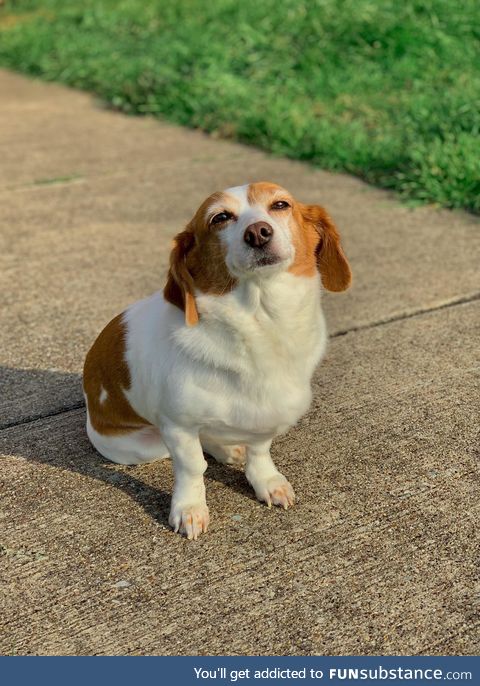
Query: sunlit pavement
[[379, 554]]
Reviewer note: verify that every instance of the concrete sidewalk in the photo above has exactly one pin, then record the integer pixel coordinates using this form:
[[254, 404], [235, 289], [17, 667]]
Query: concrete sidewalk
[[380, 556]]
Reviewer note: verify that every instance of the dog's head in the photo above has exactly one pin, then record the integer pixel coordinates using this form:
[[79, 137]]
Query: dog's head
[[252, 231]]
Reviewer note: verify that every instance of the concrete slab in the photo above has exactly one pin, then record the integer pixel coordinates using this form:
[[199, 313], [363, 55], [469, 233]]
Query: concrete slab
[[76, 251], [49, 134], [379, 556]]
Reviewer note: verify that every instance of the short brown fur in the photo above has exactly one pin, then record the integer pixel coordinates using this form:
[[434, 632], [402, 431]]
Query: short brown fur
[[261, 192], [315, 238], [106, 367], [197, 262], [331, 260]]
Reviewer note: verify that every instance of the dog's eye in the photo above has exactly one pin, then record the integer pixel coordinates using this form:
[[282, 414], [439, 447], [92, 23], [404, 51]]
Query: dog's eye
[[280, 205], [221, 217]]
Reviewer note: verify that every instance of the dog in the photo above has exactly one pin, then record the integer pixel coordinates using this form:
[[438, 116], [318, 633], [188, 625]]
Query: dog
[[221, 361]]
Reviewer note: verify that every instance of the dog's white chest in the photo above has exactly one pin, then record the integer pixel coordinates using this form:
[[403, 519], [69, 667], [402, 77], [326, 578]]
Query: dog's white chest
[[244, 370]]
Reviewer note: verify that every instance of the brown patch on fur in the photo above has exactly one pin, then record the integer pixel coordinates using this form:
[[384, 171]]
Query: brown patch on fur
[[197, 262], [305, 239], [262, 192], [330, 258], [106, 368], [304, 235]]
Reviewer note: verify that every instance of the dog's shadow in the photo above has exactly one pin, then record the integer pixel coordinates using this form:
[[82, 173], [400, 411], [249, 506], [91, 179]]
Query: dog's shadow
[[42, 419]]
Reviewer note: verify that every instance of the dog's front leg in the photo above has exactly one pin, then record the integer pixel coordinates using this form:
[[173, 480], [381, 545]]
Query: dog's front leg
[[188, 511], [269, 484]]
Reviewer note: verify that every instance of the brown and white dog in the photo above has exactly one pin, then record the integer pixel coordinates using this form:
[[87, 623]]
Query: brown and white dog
[[221, 361]]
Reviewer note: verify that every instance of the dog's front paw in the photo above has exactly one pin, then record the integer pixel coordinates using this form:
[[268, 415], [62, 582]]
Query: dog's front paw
[[276, 490], [190, 520]]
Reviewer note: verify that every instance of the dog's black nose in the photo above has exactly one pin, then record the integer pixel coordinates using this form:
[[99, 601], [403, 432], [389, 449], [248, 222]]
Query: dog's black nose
[[257, 235]]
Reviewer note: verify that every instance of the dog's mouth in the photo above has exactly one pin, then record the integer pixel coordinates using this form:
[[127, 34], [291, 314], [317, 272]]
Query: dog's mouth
[[262, 261], [267, 260]]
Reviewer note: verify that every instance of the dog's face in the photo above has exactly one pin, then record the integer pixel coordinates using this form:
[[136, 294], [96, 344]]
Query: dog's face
[[256, 226], [252, 231]]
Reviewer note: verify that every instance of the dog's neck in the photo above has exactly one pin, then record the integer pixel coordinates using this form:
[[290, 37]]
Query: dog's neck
[[278, 299], [276, 320]]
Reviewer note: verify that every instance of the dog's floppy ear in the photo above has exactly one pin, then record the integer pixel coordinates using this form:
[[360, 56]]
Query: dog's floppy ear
[[331, 261], [179, 289]]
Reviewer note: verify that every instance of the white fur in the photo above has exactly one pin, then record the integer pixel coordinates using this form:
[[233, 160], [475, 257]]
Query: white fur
[[231, 383], [242, 373], [241, 376], [240, 258]]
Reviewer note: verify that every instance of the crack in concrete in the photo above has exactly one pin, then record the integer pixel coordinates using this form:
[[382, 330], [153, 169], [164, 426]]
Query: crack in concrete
[[462, 300], [36, 417]]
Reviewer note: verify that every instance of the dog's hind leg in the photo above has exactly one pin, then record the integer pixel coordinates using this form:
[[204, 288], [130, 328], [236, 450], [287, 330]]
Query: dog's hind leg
[[225, 454], [138, 446]]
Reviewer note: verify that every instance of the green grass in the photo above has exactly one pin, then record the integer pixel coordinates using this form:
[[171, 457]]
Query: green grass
[[384, 89]]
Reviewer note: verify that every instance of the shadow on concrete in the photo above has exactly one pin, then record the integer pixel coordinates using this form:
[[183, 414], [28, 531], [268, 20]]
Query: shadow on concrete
[[29, 394], [42, 419]]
